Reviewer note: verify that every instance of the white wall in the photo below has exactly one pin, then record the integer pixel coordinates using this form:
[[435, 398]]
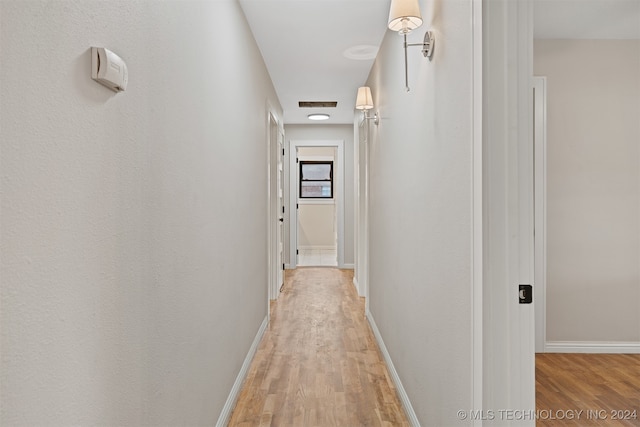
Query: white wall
[[316, 226], [308, 153], [329, 132], [420, 213], [593, 188], [123, 301]]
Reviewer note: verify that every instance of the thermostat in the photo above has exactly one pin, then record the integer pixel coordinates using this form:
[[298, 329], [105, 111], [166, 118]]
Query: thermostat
[[108, 69]]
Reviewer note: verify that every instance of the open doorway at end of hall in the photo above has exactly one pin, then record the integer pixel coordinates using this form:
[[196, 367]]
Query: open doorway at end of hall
[[317, 231]]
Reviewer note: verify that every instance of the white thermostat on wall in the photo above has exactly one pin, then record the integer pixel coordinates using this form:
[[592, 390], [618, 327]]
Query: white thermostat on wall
[[108, 69]]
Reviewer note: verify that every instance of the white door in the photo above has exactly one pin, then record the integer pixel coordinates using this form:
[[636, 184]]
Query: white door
[[275, 209], [281, 209]]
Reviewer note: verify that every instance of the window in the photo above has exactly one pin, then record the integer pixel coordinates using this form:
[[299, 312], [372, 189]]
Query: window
[[316, 179]]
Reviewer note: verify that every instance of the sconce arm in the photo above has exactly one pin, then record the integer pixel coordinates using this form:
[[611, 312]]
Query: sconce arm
[[427, 51]]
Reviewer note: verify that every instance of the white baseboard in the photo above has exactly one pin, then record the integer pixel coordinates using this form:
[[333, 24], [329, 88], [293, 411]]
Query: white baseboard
[[402, 394], [348, 266], [356, 284], [225, 415], [592, 347]]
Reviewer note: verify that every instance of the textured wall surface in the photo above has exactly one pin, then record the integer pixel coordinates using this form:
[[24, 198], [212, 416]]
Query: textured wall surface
[[133, 235], [420, 212]]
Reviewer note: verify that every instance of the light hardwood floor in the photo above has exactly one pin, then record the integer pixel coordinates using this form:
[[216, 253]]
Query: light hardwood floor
[[318, 363], [605, 387]]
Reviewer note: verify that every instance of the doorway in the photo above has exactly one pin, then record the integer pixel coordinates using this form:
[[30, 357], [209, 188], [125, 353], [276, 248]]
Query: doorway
[[316, 194], [317, 244], [587, 185]]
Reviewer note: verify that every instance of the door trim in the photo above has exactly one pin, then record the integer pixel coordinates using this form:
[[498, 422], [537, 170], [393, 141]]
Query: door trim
[[540, 215], [361, 207], [509, 330], [293, 195], [477, 259], [281, 206], [273, 129]]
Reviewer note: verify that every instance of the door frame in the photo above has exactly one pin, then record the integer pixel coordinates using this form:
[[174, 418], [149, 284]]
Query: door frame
[[361, 207], [540, 189], [508, 197], [280, 210], [293, 195], [273, 129], [477, 208]]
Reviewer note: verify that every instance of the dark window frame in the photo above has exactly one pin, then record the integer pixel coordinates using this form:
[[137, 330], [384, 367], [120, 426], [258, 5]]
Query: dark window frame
[[301, 180]]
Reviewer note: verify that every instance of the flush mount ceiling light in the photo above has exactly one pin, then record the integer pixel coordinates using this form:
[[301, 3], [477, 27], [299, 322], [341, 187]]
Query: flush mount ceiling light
[[404, 16], [321, 116], [364, 102]]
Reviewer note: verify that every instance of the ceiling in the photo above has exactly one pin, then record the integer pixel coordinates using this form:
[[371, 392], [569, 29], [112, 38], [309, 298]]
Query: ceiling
[[303, 43]]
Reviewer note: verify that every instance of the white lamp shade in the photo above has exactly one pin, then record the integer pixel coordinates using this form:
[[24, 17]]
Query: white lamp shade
[[364, 101], [404, 16]]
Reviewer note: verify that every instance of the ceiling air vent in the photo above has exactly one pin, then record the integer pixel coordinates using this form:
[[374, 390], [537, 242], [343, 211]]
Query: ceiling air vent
[[317, 104]]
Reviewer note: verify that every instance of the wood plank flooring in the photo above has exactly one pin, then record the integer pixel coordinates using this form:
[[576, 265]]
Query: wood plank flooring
[[318, 363], [606, 387]]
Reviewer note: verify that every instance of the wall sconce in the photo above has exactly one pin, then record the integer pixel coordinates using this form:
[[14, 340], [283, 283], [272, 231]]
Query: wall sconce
[[364, 101], [404, 16]]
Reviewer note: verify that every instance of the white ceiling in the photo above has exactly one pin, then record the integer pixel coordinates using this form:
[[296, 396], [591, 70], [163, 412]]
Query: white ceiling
[[303, 42]]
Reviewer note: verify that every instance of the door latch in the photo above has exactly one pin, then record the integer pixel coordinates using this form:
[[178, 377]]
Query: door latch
[[525, 294]]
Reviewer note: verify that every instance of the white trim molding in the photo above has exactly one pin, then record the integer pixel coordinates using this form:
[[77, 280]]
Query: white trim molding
[[540, 214], [274, 131], [227, 409], [355, 282], [292, 217], [605, 347], [508, 340], [402, 394], [477, 233]]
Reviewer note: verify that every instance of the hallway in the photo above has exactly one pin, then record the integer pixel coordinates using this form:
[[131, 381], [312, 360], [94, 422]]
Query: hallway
[[138, 227], [318, 363]]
